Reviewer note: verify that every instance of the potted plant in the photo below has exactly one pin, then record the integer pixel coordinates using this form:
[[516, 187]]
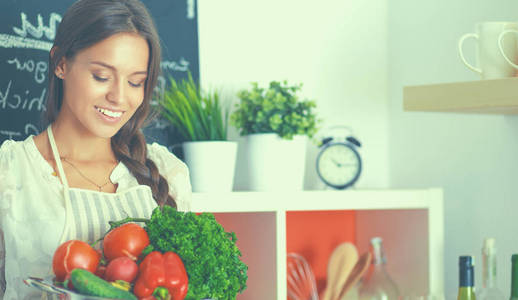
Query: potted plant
[[276, 124], [201, 121]]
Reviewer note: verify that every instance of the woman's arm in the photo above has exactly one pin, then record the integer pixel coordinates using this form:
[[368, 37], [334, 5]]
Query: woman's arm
[[6, 191], [2, 265]]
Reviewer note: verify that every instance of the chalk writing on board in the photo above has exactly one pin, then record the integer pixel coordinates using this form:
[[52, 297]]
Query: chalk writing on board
[[22, 102], [35, 33], [28, 130], [190, 9], [182, 65], [10, 41], [10, 134], [39, 68]]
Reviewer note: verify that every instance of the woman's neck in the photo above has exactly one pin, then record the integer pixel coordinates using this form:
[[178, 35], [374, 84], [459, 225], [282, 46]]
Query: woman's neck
[[75, 142]]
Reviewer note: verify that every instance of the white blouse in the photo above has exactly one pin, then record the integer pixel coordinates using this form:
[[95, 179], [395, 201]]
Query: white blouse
[[32, 209]]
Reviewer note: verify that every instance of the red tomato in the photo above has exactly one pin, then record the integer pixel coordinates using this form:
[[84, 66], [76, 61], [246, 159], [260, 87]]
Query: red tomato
[[126, 240], [121, 268], [74, 254]]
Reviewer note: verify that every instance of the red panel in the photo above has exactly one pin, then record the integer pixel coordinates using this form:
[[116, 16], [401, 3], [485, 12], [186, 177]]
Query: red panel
[[315, 234]]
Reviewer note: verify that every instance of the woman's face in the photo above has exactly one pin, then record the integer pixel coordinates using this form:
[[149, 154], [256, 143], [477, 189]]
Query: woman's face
[[103, 85]]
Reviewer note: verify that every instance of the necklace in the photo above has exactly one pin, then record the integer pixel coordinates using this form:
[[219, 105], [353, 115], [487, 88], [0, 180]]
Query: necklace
[[100, 187]]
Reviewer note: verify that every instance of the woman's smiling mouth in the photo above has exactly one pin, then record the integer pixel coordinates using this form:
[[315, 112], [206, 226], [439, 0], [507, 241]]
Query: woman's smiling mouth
[[108, 115]]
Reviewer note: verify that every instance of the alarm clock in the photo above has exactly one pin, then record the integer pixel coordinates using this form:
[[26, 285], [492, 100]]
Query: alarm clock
[[339, 164]]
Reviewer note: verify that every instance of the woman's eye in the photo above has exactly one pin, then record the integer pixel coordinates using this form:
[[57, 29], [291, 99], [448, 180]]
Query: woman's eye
[[99, 78], [135, 84]]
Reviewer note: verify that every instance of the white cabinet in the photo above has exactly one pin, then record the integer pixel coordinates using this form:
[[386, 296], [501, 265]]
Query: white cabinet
[[410, 221]]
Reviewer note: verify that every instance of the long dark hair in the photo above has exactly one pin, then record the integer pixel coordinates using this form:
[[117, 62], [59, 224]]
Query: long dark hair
[[86, 23]]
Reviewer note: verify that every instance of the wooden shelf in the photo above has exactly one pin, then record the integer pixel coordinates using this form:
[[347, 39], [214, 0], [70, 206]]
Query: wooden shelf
[[495, 96]]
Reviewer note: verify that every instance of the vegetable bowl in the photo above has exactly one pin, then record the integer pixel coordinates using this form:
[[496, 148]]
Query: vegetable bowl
[[174, 255], [46, 285]]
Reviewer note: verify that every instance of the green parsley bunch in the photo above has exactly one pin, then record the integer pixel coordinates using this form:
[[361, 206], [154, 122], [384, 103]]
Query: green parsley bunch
[[276, 109], [210, 255]]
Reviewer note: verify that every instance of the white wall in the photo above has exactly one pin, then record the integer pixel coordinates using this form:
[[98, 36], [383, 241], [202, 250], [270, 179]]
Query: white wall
[[336, 48], [354, 57], [473, 157]]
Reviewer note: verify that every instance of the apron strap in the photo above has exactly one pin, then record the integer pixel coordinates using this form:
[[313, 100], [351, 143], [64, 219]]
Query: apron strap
[[68, 211], [66, 194], [57, 158]]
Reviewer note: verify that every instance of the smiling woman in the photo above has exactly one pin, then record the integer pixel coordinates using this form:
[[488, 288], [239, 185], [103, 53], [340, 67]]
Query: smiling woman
[[92, 164]]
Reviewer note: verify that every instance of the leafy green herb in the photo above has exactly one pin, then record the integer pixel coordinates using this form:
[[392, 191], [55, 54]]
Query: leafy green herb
[[274, 110], [210, 255], [197, 116]]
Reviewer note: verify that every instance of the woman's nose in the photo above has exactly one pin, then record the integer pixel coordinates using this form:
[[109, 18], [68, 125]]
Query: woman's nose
[[116, 92]]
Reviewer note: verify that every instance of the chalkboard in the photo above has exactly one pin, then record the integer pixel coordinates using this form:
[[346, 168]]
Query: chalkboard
[[27, 29]]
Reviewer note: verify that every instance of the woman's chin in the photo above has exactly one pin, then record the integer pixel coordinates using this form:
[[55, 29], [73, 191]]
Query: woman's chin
[[106, 132]]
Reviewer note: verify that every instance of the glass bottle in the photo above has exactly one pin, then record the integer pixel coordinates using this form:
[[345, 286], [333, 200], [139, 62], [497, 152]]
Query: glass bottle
[[489, 289], [514, 277], [466, 278], [378, 285]]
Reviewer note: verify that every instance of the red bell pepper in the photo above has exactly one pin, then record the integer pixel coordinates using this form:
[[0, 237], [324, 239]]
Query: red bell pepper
[[162, 276]]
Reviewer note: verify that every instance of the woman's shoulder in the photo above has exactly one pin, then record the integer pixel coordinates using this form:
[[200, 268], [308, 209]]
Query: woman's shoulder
[[10, 151], [10, 156], [20, 158], [163, 158], [7, 146]]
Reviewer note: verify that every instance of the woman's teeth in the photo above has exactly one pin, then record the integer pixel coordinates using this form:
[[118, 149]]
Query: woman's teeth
[[109, 113]]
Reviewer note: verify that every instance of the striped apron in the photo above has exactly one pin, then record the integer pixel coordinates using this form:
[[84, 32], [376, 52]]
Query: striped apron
[[88, 212]]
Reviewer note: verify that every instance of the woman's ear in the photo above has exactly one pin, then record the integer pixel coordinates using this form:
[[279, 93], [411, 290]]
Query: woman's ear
[[60, 69], [61, 66]]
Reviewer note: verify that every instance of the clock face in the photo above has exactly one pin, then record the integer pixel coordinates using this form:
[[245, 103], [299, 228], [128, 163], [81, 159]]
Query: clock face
[[339, 165]]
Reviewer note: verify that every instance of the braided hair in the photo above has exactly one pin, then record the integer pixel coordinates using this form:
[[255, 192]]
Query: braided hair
[[86, 23]]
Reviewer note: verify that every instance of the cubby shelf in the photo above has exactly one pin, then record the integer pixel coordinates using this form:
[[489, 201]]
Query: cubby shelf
[[495, 96], [411, 222]]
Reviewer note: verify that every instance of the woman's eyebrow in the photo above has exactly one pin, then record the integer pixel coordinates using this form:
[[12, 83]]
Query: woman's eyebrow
[[113, 68]]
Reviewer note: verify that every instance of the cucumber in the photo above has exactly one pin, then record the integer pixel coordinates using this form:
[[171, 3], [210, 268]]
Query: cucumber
[[87, 283]]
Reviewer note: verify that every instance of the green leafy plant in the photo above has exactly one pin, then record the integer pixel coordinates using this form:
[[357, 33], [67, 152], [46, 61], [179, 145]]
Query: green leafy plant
[[210, 255], [197, 116], [276, 109]]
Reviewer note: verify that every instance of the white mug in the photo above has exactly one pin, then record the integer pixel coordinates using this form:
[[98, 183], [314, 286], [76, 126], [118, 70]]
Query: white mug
[[509, 47], [490, 61]]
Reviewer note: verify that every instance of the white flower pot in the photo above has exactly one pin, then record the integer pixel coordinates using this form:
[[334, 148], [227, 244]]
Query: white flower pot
[[211, 165], [275, 164]]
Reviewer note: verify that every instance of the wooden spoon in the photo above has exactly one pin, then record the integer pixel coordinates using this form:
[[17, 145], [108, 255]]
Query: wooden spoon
[[357, 272], [340, 264]]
